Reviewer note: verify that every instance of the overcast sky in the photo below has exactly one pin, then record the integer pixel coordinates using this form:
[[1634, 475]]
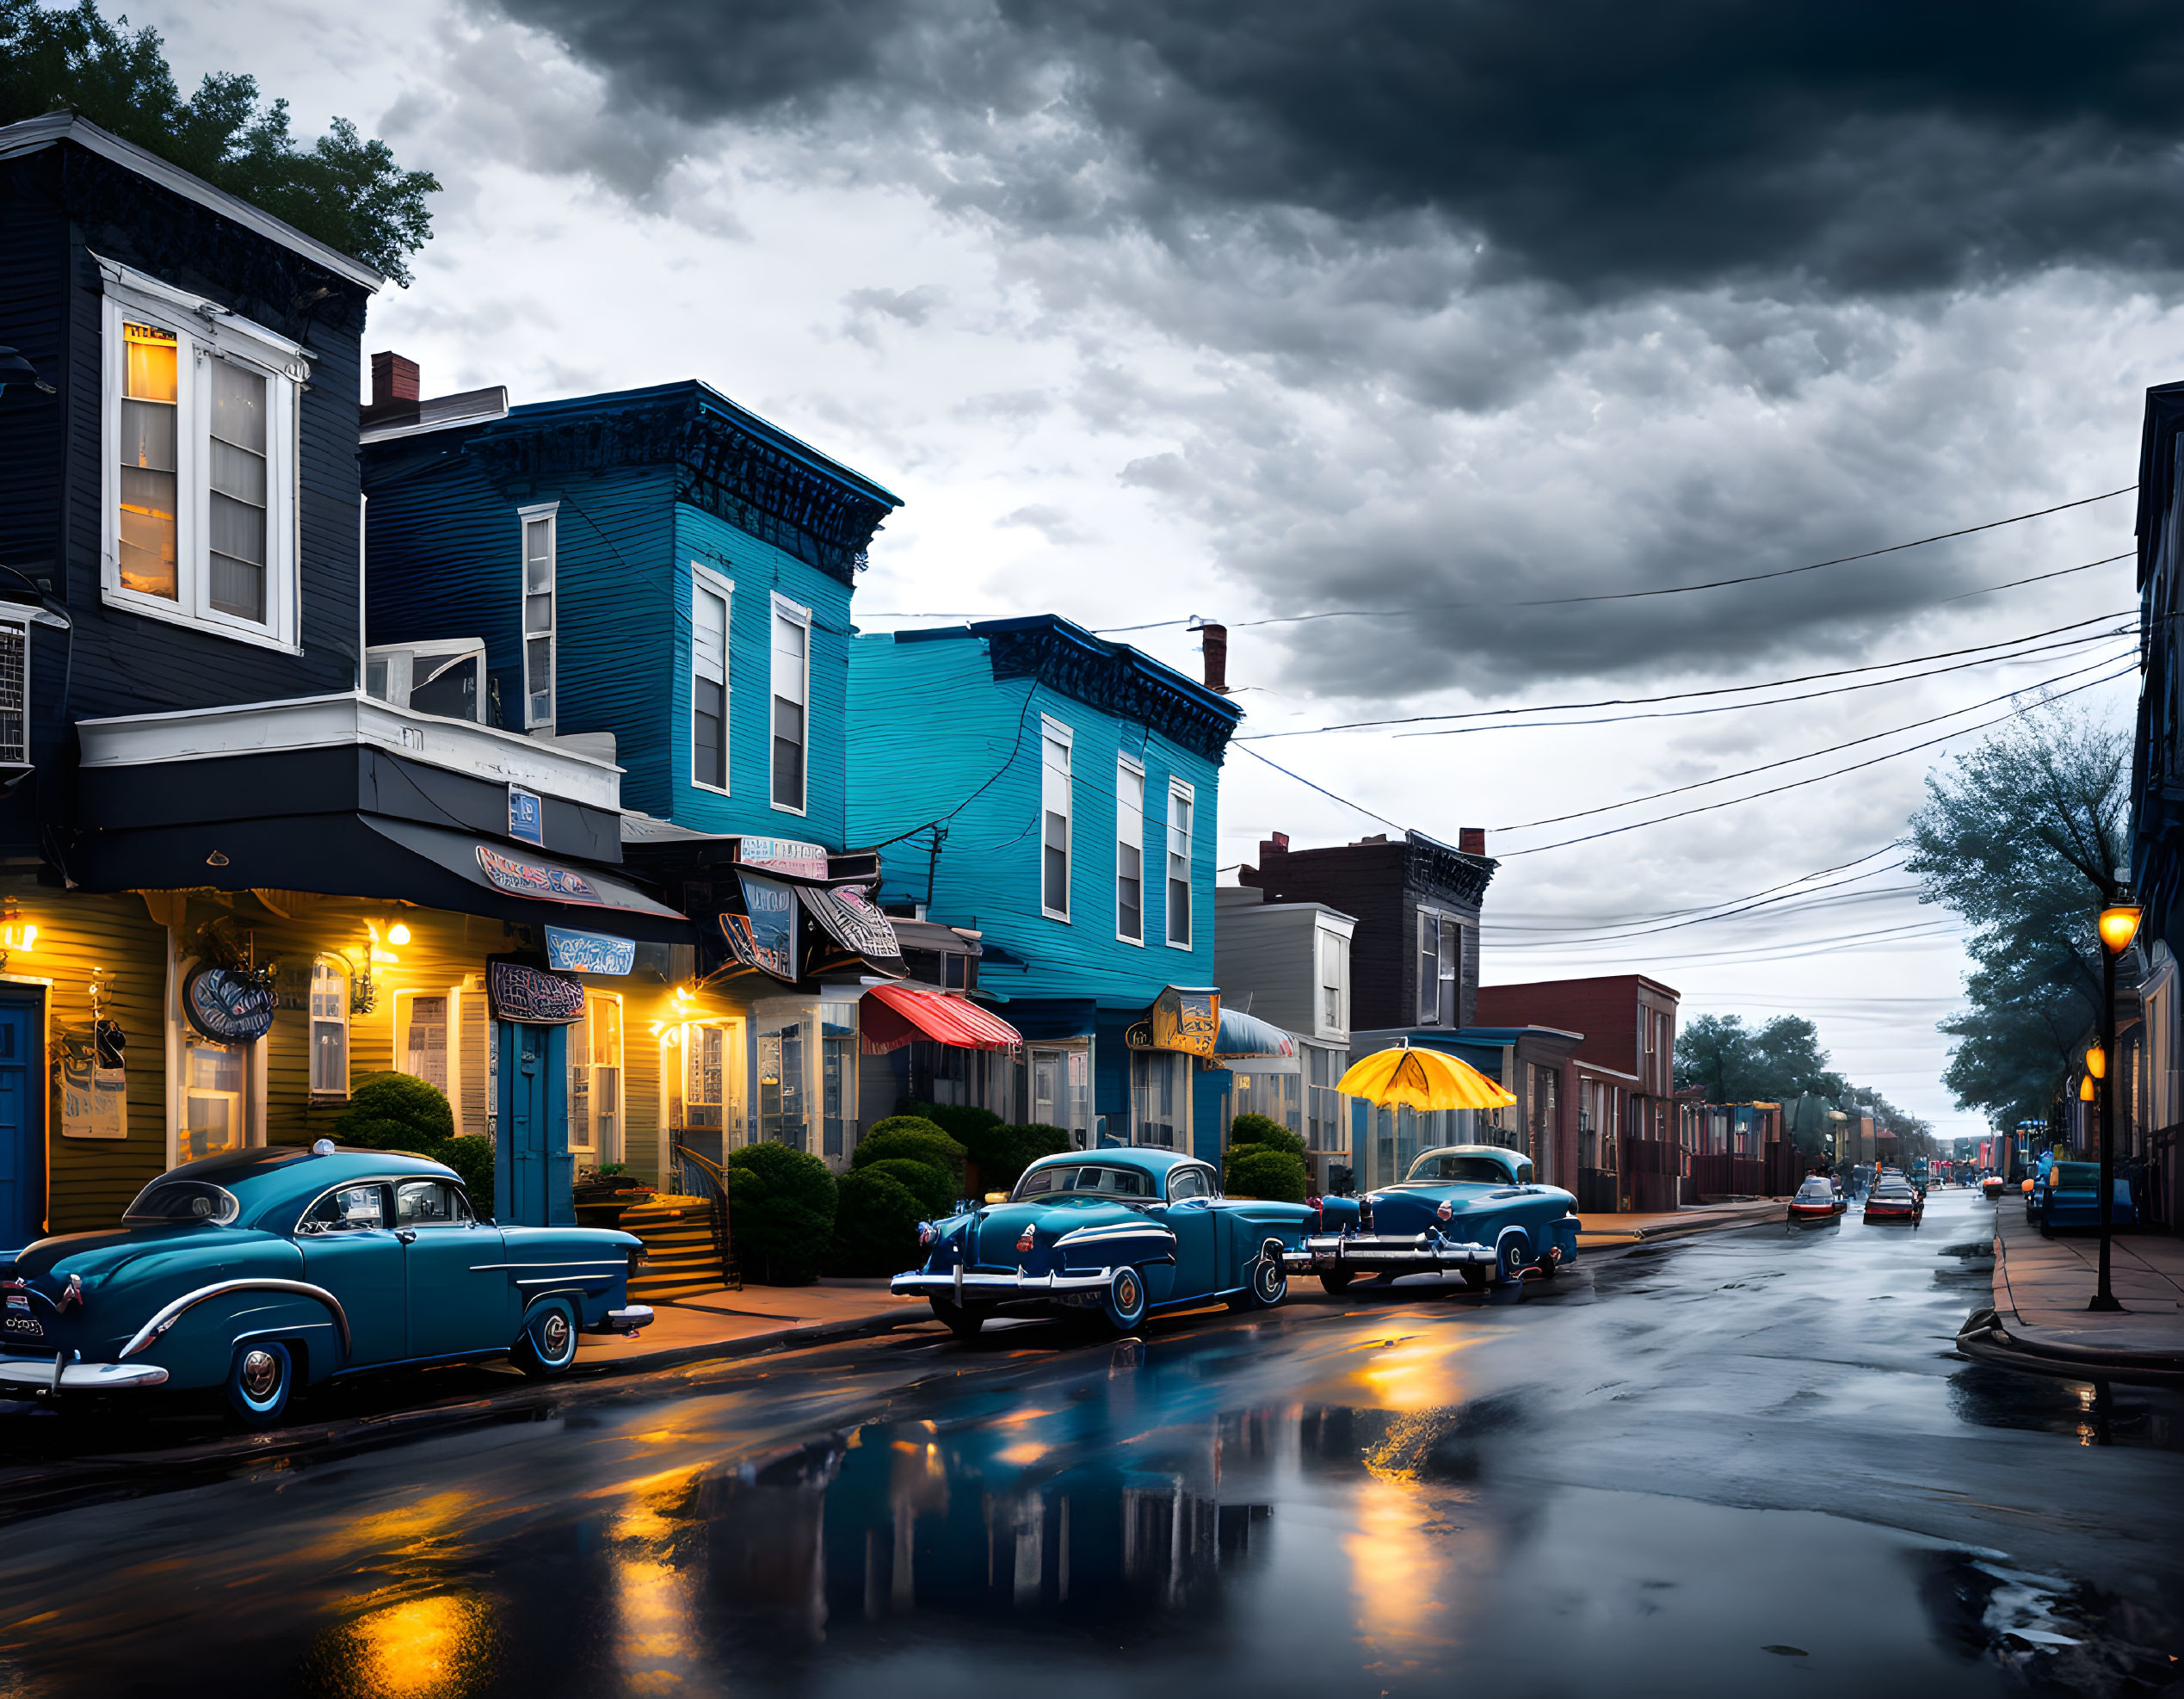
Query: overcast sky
[[1153, 308]]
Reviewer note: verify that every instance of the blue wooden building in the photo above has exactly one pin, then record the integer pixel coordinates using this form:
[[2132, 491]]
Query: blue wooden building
[[1054, 796]]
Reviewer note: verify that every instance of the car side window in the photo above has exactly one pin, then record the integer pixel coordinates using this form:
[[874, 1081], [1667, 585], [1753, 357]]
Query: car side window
[[429, 1203], [348, 1208], [1186, 1182]]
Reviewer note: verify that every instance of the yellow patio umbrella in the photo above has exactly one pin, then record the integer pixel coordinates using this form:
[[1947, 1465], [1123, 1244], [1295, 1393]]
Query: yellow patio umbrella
[[1424, 1080]]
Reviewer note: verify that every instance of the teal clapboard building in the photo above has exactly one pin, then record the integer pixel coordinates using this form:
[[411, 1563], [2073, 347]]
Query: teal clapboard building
[[1058, 794], [659, 564]]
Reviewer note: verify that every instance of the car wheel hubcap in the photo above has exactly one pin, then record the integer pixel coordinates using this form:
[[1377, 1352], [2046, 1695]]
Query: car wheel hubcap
[[553, 1335], [261, 1373], [1126, 1293]]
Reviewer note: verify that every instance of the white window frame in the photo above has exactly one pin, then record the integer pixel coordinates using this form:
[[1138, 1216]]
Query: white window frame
[[341, 973], [1123, 764], [204, 331], [405, 1003], [549, 514], [180, 1035], [18, 632], [1327, 939], [609, 1148], [1445, 1006], [1179, 790], [796, 615], [1051, 729], [704, 579]]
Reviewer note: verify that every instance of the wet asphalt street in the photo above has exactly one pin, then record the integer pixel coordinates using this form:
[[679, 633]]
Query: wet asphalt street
[[1746, 1464]]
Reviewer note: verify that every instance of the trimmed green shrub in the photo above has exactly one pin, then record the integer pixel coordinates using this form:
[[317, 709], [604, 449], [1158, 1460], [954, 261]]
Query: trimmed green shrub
[[781, 1213], [1269, 1134], [875, 1229], [1258, 1170], [934, 1192], [966, 1124], [473, 1158], [395, 1112], [1026, 1144], [911, 1139]]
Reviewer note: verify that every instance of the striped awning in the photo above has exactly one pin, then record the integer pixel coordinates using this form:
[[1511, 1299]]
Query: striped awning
[[893, 1016], [1243, 1034]]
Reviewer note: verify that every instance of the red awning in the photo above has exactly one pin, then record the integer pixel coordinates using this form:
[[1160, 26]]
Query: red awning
[[897, 1014]]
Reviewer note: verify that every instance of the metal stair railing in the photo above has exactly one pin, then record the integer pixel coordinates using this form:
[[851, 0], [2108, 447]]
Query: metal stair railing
[[697, 1175]]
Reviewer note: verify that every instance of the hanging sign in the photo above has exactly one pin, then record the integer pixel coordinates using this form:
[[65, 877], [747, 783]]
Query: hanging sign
[[536, 879], [93, 1099], [783, 855], [227, 1007], [764, 935], [847, 915], [526, 815], [589, 952], [531, 995], [1180, 1020]]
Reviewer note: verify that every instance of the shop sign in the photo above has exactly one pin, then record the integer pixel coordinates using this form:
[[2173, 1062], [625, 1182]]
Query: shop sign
[[535, 879], [848, 913], [93, 1099], [764, 935], [1180, 1020], [589, 952], [531, 995], [227, 1007], [526, 815], [783, 855]]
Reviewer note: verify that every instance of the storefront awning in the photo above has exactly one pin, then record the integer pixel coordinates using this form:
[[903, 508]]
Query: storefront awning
[[374, 856], [894, 1016], [1243, 1034]]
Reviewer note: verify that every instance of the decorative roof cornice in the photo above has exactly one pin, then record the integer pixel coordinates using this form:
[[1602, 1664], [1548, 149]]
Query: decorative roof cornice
[[728, 461], [1435, 863], [1113, 677]]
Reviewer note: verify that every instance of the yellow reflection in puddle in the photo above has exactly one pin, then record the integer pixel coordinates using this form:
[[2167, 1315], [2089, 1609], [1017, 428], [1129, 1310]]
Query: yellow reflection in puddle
[[1419, 1373], [1029, 1452], [1392, 1565], [440, 1647]]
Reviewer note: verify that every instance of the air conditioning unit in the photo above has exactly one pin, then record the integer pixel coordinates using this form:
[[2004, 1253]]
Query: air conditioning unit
[[444, 676]]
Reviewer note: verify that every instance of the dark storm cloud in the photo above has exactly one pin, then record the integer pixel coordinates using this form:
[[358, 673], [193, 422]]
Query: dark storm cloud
[[1598, 145]]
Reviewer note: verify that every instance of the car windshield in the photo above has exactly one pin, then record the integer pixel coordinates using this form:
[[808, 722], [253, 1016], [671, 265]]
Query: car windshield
[[1439, 1166], [1816, 1187], [1097, 1178], [2075, 1176], [1893, 1190], [183, 1200]]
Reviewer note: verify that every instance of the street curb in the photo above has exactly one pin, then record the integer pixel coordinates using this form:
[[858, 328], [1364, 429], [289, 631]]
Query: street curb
[[1985, 1338], [751, 1344]]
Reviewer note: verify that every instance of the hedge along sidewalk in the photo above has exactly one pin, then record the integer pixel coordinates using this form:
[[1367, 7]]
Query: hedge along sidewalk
[[2040, 1322], [758, 1317]]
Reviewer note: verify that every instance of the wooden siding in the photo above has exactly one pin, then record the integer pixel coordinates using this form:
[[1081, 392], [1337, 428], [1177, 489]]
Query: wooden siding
[[929, 726], [1265, 960]]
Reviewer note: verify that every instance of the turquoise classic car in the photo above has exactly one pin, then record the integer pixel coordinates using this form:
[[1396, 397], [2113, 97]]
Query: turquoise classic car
[[1119, 1234], [2069, 1196], [262, 1270], [1473, 1210]]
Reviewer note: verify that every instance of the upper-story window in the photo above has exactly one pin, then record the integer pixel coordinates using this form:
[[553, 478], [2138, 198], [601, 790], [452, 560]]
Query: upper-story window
[[200, 420], [1441, 953], [711, 598], [792, 698], [1181, 801], [1055, 814], [540, 627], [1333, 985], [1129, 851]]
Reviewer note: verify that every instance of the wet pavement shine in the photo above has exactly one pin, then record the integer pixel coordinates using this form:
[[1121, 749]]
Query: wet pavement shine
[[1748, 1464]]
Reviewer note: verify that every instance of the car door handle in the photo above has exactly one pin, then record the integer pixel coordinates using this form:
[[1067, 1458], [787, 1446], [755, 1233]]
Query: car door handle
[[406, 1236]]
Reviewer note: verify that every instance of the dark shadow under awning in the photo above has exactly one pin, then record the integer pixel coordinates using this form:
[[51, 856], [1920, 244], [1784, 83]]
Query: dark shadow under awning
[[374, 856]]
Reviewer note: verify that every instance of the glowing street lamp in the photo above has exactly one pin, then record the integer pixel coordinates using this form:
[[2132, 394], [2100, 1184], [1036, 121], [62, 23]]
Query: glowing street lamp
[[2117, 926]]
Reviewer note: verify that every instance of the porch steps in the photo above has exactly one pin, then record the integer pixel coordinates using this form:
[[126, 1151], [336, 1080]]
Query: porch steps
[[681, 1256]]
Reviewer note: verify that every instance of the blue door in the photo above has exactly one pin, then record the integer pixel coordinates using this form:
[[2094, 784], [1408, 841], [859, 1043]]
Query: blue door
[[23, 1123], [535, 1176]]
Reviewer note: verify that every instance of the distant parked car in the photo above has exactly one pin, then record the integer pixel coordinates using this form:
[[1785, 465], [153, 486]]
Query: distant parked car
[[1817, 1200], [1991, 1187], [262, 1271], [2070, 1196], [1895, 1200], [1119, 1234], [1471, 1209]]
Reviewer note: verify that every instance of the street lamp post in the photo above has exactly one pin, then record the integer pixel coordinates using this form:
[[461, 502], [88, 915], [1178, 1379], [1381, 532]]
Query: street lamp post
[[2119, 925]]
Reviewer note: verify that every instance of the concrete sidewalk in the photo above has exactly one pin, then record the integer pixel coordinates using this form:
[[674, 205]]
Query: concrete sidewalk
[[755, 1319], [1604, 1227], [2039, 1321]]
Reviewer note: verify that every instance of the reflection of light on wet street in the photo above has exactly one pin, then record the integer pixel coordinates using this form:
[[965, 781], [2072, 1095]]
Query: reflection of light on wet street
[[1393, 1568], [440, 1647], [1417, 1374]]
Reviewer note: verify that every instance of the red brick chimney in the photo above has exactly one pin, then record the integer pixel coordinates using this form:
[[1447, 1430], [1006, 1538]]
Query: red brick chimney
[[1274, 844], [393, 378], [1216, 641], [1472, 840]]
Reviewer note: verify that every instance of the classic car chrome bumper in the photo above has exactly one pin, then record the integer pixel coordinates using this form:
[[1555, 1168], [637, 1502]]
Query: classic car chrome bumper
[[989, 1289], [627, 1320], [1334, 1251], [46, 1373]]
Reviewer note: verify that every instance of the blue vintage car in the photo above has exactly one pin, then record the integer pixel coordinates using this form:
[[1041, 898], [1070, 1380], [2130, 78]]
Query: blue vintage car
[[262, 1270], [1471, 1209], [1114, 1233], [2069, 1196]]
